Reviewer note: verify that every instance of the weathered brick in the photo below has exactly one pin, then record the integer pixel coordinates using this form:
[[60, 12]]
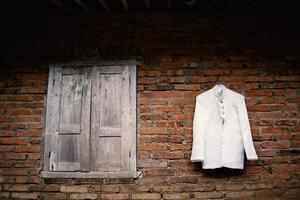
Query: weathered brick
[[230, 186], [160, 172], [29, 133], [240, 194], [52, 195], [74, 188], [177, 196], [16, 188], [153, 163], [23, 195], [167, 155], [13, 141], [83, 196], [4, 195], [45, 188], [13, 156], [6, 148], [153, 147], [29, 149], [110, 188], [167, 189], [146, 196], [114, 196], [208, 195]]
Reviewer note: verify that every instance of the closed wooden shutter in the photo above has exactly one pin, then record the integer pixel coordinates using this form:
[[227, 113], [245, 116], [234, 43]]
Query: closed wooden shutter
[[113, 119], [68, 118]]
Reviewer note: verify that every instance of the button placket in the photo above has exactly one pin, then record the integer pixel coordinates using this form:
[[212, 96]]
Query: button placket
[[222, 111], [222, 130]]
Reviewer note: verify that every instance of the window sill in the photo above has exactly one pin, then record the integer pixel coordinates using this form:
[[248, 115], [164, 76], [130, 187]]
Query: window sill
[[126, 174]]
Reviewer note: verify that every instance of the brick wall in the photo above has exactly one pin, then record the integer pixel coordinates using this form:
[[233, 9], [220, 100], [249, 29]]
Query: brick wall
[[182, 57]]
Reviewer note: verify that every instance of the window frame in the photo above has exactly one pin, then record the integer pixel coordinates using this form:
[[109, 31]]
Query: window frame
[[46, 173]]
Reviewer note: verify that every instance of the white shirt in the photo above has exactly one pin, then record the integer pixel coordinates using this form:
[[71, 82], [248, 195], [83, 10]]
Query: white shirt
[[221, 130]]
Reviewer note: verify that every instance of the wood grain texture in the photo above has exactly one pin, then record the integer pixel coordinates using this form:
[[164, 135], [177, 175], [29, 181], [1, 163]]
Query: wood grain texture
[[51, 131], [92, 119], [68, 118]]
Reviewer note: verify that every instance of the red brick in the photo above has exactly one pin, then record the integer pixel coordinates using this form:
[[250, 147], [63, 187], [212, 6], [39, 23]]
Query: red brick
[[168, 139], [182, 116], [14, 172], [160, 172], [240, 194], [287, 168], [32, 90], [26, 98], [27, 111], [29, 133], [187, 87], [167, 155], [167, 109], [284, 93], [12, 141], [258, 79], [293, 100], [13, 156], [147, 80], [216, 72], [167, 124], [153, 131], [7, 133], [153, 147], [29, 118], [153, 102], [258, 93], [208, 195], [6, 119], [154, 117], [267, 193], [29, 149], [26, 164], [271, 100], [6, 164], [255, 169], [6, 148], [178, 79], [181, 164], [287, 78], [176, 147]]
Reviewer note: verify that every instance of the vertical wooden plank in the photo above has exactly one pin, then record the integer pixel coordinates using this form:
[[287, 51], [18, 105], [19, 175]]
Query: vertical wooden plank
[[113, 118], [106, 122], [85, 121], [132, 116], [52, 120], [126, 140], [129, 118], [70, 103], [68, 152], [68, 119], [69, 130], [95, 116]]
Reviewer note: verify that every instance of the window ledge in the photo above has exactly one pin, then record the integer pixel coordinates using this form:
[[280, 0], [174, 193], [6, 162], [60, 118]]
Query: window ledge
[[125, 174]]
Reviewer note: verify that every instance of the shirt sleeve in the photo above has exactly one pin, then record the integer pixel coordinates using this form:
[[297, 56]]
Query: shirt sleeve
[[246, 131], [198, 134]]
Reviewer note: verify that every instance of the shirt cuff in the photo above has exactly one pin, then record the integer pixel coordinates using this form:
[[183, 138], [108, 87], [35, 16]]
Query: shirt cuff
[[252, 157]]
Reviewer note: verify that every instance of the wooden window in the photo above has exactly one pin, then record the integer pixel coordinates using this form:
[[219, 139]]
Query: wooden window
[[91, 122]]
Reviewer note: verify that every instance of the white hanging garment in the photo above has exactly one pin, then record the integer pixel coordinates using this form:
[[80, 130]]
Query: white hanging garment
[[221, 130]]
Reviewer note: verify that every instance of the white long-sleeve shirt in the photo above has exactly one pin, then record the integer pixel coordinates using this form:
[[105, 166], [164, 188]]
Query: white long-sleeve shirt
[[221, 130]]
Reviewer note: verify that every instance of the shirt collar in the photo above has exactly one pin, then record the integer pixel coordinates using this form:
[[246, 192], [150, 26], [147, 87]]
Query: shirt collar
[[217, 88]]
